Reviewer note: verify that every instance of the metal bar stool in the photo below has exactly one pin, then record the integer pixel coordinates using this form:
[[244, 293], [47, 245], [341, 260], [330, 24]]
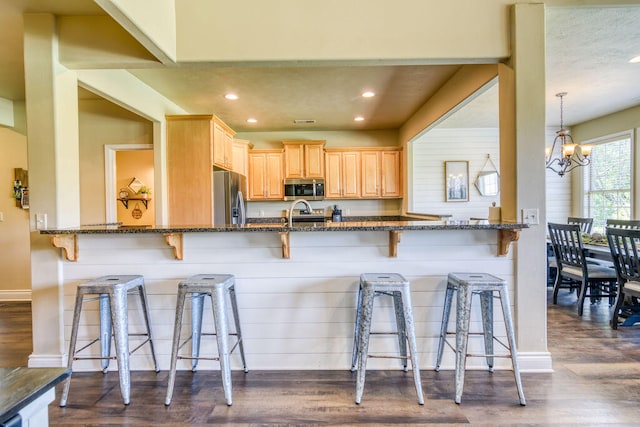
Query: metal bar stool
[[396, 286], [217, 286], [112, 292], [466, 285]]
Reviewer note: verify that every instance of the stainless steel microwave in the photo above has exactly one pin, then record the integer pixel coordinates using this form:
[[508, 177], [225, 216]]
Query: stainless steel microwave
[[308, 189]]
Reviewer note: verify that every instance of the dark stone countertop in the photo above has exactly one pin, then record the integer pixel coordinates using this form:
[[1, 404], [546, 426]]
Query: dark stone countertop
[[21, 386], [368, 223]]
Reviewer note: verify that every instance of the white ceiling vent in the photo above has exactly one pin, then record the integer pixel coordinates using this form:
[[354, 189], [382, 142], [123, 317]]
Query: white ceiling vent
[[304, 122]]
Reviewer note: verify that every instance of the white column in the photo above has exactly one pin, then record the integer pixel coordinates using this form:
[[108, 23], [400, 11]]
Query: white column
[[528, 61], [52, 129]]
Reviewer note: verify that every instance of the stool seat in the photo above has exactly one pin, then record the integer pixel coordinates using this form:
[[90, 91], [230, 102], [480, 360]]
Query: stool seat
[[484, 285], [112, 292], [390, 284], [217, 287]]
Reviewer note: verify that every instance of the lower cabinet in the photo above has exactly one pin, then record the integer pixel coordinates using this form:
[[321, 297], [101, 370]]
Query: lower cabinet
[[266, 175]]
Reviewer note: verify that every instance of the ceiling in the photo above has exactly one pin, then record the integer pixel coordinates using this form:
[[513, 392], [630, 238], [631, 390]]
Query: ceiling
[[588, 50]]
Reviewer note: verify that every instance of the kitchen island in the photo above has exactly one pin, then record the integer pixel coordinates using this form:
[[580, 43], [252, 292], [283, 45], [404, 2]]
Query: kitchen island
[[296, 312]]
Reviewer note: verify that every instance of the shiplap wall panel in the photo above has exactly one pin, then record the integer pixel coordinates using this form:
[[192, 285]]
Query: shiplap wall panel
[[430, 152], [296, 313]]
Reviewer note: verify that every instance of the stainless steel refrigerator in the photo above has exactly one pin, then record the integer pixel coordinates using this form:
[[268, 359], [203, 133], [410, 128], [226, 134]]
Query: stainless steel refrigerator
[[229, 202]]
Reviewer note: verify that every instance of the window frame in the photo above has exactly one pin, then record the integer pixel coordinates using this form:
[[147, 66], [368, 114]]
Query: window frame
[[634, 198]]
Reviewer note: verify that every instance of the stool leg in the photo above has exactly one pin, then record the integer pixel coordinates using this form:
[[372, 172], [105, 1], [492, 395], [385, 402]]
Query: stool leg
[[197, 307], [145, 311], [72, 345], [413, 347], [222, 336], [401, 328], [236, 319], [462, 334], [175, 345], [363, 339], [506, 310], [486, 305], [448, 297], [105, 332], [356, 332], [121, 331]]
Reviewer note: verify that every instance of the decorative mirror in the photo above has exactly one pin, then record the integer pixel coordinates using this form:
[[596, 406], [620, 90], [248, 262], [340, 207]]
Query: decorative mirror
[[488, 181]]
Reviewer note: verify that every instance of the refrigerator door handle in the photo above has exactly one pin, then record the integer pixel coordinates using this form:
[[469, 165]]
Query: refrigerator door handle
[[240, 206]]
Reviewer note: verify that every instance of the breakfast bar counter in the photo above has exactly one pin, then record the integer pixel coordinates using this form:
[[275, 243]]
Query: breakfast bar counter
[[66, 238], [296, 286]]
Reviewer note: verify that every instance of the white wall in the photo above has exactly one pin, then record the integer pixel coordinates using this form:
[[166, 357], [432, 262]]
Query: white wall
[[431, 150]]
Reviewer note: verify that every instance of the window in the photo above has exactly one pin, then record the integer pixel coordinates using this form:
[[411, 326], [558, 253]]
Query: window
[[607, 181]]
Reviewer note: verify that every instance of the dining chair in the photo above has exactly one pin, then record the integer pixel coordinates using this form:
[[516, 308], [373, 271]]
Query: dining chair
[[624, 246], [585, 223], [594, 280], [623, 223]]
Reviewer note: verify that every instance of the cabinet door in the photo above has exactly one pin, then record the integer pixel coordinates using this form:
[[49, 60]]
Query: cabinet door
[[257, 176], [240, 156], [227, 139], [275, 184], [314, 160], [351, 175], [390, 174], [218, 145], [370, 174], [294, 161], [333, 176]]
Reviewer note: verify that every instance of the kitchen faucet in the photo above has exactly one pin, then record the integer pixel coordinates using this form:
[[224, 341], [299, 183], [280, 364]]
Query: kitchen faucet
[[295, 202]]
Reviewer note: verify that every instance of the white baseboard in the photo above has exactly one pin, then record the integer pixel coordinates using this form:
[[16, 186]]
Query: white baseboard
[[47, 361], [537, 362], [15, 295]]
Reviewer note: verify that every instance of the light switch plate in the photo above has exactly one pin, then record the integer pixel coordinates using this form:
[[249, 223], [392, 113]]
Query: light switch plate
[[530, 216], [41, 221]]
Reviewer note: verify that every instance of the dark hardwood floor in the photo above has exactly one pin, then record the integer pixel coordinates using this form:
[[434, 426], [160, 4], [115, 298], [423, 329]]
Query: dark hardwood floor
[[596, 381]]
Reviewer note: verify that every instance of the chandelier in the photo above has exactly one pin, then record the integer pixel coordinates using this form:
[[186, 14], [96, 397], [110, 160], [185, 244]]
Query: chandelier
[[571, 155]]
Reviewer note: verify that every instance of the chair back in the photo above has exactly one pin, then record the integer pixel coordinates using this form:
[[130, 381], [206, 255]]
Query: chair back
[[585, 223], [623, 223], [567, 245], [624, 246]]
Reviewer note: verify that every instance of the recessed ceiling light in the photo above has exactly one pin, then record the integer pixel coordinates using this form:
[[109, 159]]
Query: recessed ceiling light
[[231, 96], [635, 60], [359, 119], [368, 94], [252, 120]]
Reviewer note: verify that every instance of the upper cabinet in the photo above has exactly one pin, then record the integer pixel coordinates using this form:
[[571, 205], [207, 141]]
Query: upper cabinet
[[222, 144], [381, 173], [265, 175], [193, 141], [240, 156], [342, 177], [363, 173], [303, 159]]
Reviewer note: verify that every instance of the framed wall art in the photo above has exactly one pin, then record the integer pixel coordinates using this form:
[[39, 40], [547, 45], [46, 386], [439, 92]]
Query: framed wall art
[[456, 178]]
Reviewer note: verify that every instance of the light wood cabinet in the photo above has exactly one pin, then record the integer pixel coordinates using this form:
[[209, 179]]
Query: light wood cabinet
[[303, 159], [265, 175], [342, 175], [193, 142], [381, 173], [240, 156], [363, 173], [222, 144], [189, 170]]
